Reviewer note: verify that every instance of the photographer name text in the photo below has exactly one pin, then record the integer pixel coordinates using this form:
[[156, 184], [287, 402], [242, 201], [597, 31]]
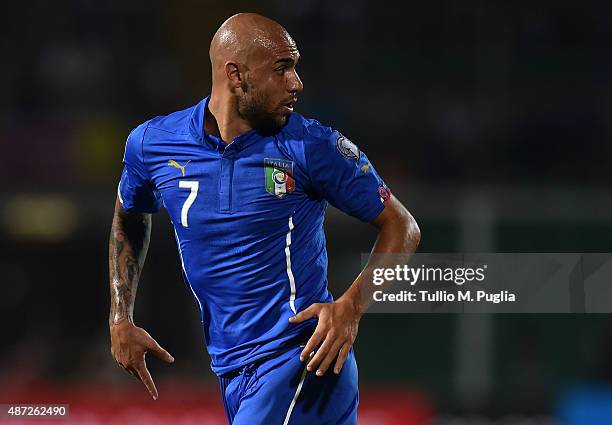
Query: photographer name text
[[436, 275]]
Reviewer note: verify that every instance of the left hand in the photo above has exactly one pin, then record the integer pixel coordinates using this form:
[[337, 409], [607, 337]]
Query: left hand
[[335, 332]]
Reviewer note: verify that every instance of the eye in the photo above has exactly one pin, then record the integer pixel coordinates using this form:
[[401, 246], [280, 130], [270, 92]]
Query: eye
[[280, 70]]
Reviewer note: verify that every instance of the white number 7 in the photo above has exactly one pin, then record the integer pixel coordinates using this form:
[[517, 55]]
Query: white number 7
[[186, 184]]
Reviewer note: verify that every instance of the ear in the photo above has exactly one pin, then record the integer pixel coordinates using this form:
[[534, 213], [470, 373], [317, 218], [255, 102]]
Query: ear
[[233, 74]]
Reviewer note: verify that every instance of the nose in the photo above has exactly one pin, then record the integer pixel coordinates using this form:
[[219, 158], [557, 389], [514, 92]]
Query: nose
[[294, 84]]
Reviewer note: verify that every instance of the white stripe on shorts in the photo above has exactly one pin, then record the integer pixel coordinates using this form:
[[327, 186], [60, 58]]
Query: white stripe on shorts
[[297, 391]]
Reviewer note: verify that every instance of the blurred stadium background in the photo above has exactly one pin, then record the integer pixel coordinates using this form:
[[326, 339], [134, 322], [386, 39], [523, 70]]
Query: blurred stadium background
[[490, 120]]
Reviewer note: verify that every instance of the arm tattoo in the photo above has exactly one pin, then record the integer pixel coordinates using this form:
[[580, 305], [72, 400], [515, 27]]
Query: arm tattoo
[[129, 241]]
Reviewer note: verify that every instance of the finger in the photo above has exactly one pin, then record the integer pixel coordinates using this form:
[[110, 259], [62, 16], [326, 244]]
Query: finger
[[331, 355], [341, 358], [159, 352], [321, 352], [306, 314], [147, 380], [312, 343], [132, 372]]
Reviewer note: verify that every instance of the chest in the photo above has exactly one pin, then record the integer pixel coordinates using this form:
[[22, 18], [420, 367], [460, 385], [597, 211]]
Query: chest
[[222, 194]]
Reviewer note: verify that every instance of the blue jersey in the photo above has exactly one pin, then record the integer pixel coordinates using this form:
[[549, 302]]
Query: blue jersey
[[248, 220]]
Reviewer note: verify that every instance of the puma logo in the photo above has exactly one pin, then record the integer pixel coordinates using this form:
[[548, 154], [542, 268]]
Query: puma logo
[[175, 164]]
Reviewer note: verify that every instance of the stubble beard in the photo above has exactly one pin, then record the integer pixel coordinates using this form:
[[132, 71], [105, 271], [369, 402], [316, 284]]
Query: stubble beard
[[252, 108]]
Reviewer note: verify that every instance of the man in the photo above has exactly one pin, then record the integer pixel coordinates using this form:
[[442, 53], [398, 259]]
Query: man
[[246, 182]]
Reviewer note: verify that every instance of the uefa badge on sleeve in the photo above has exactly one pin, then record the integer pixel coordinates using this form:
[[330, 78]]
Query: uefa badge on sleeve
[[347, 148], [279, 177]]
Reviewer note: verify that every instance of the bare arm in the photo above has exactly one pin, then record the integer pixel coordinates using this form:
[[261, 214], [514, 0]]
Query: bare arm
[[398, 233], [128, 245]]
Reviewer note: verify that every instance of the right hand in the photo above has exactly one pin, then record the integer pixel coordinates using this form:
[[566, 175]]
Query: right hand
[[129, 344]]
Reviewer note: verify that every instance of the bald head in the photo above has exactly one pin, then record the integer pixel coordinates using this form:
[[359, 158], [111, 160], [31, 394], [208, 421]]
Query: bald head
[[254, 69], [242, 36]]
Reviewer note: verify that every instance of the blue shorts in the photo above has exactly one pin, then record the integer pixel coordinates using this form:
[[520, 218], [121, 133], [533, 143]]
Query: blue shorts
[[279, 391]]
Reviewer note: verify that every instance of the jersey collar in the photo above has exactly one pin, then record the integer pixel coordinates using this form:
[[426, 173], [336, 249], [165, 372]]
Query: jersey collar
[[196, 128]]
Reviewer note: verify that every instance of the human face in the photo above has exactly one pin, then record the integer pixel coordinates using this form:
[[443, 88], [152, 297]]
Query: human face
[[271, 85]]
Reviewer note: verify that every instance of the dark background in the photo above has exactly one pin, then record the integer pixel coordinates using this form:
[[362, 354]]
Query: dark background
[[491, 121]]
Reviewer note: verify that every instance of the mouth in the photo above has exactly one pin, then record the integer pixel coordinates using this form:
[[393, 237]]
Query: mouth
[[288, 106]]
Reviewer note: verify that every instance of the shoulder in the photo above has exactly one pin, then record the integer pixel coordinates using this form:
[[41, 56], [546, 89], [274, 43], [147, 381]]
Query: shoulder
[[315, 144], [309, 137], [308, 130], [318, 140], [155, 130], [175, 123], [298, 137]]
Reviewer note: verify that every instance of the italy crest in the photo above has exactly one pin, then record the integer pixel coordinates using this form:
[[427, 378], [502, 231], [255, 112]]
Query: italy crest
[[279, 176]]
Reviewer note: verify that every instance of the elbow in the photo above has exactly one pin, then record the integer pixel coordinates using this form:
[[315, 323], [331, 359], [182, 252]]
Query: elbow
[[410, 230], [399, 226], [413, 233]]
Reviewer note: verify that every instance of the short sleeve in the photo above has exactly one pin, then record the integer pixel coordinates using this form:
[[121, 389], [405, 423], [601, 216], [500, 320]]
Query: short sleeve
[[343, 175], [136, 192]]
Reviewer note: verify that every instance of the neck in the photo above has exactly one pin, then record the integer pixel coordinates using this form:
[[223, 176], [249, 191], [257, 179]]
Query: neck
[[224, 120]]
